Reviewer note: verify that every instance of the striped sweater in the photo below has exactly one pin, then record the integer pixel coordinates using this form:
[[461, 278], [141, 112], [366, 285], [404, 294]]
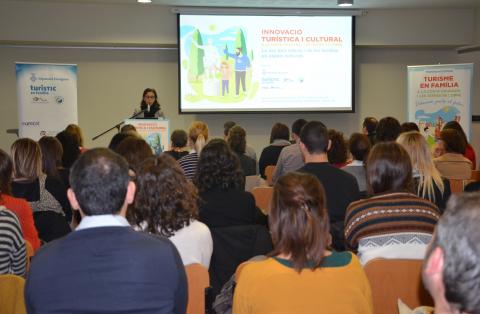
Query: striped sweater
[[380, 218], [189, 165], [13, 256]]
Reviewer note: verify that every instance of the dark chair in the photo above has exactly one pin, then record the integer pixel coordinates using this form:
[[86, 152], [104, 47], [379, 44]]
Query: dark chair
[[50, 225]]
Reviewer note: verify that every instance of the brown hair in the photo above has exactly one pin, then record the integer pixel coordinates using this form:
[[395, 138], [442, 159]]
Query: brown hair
[[359, 146], [6, 168], [27, 159], [338, 153], [76, 132], [135, 150], [237, 139], [166, 201], [52, 152], [453, 140], [389, 169], [279, 132], [298, 220]]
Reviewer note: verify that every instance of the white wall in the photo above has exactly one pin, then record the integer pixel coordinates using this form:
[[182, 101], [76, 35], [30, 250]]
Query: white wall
[[110, 82]]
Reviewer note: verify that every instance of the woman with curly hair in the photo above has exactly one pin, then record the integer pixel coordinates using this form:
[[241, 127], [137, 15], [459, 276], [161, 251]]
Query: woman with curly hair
[[166, 204], [338, 152], [221, 182]]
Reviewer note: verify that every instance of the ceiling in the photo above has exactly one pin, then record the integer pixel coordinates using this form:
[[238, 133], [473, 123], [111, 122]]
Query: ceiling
[[359, 4]]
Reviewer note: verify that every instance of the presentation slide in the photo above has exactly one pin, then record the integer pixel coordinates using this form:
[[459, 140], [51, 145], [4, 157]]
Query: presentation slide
[[265, 63]]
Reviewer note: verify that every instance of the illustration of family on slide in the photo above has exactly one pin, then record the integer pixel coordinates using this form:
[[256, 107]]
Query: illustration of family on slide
[[211, 67]]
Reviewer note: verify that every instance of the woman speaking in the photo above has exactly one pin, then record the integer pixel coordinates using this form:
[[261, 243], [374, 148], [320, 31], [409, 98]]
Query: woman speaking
[[150, 105]]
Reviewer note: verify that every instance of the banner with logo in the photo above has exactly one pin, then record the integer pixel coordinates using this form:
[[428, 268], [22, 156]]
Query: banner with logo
[[438, 94], [155, 132], [47, 98]]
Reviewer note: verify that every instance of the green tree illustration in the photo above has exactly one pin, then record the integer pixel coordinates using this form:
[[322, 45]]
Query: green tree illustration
[[196, 67], [240, 41], [226, 48]]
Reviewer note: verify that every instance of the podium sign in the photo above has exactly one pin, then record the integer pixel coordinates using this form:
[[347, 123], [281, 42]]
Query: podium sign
[[155, 132]]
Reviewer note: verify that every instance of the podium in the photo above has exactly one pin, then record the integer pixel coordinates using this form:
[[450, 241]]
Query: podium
[[156, 132]]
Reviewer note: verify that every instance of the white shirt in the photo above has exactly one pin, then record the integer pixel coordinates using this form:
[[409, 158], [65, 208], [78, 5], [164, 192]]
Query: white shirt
[[97, 221]]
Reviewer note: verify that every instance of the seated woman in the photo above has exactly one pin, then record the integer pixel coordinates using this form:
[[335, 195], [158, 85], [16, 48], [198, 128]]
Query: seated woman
[[279, 137], [135, 150], [166, 204], [469, 151], [394, 222], [197, 137], [338, 152], [221, 183], [13, 254], [178, 141], [237, 140], [427, 179], [46, 195], [18, 206], [452, 164], [359, 146], [302, 275]]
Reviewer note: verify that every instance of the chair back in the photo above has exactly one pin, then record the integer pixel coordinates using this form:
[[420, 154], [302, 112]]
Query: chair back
[[263, 198], [30, 253], [475, 175], [393, 279], [11, 294], [269, 170], [198, 280], [456, 185], [252, 182]]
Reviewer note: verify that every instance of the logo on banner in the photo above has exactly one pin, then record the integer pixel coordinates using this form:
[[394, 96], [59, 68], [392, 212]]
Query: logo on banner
[[31, 123], [39, 100], [59, 99], [33, 78]]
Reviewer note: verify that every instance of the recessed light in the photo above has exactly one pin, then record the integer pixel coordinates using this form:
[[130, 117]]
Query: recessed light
[[144, 1], [344, 3]]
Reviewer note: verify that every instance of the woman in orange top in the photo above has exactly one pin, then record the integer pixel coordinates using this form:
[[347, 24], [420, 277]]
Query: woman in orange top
[[302, 275], [18, 206]]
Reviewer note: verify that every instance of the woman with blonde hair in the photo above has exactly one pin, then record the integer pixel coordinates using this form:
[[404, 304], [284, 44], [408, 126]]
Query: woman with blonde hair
[[429, 184], [197, 138], [302, 275]]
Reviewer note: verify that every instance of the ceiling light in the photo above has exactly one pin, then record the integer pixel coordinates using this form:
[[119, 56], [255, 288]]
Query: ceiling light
[[144, 1], [344, 3]]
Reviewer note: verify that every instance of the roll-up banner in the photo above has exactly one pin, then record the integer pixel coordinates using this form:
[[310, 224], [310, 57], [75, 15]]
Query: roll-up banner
[[438, 94], [47, 98]]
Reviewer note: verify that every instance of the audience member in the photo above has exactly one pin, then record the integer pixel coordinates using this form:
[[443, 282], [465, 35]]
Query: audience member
[[18, 206], [221, 183], [178, 142], [279, 137], [52, 152], [337, 153], [197, 138], [408, 127], [341, 188], [290, 158], [13, 255], [302, 275], [128, 128], [452, 164], [238, 142], [105, 266], [71, 148], [359, 146], [46, 195], [451, 267], [166, 204], [472, 187], [117, 139], [135, 150], [393, 223], [469, 151], [75, 130], [249, 151], [369, 128], [388, 130], [427, 179]]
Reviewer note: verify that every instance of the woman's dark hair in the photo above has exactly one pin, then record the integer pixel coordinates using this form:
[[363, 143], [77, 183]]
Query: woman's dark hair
[[26, 158], [52, 153], [389, 169], [279, 132], [409, 126], [227, 126], [454, 125], [71, 149], [76, 132], [117, 139], [370, 124], [165, 200], [135, 150], [388, 130], [6, 169], [128, 128], [218, 167], [143, 104], [179, 138], [338, 153], [453, 140], [359, 146], [237, 139], [298, 220]]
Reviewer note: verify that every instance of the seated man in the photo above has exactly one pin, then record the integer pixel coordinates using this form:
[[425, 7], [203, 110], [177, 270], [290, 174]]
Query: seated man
[[452, 264], [341, 188], [105, 266]]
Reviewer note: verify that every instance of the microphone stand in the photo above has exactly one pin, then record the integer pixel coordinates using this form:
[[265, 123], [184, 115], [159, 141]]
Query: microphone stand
[[117, 126]]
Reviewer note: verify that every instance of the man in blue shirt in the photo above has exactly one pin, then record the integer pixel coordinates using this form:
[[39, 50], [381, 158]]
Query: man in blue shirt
[[105, 266], [242, 62]]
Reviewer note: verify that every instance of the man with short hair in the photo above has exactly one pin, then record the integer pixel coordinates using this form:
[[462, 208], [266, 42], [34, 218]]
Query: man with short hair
[[105, 266], [451, 271], [341, 188], [290, 158]]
